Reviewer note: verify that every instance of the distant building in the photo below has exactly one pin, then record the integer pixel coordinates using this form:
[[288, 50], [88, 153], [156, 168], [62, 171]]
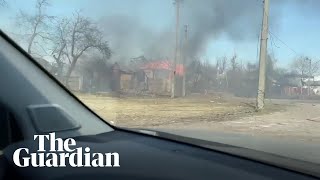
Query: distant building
[[295, 84], [159, 75], [161, 69]]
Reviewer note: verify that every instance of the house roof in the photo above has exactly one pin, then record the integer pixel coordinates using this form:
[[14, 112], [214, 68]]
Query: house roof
[[162, 65]]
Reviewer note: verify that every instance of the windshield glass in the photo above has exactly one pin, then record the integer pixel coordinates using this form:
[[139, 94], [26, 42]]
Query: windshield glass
[[220, 70]]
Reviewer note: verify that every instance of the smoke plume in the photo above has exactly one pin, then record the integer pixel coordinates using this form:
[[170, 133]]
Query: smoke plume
[[238, 20]]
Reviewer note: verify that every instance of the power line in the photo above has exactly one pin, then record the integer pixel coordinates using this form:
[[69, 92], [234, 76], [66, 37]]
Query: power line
[[272, 50], [275, 36], [282, 42], [273, 43]]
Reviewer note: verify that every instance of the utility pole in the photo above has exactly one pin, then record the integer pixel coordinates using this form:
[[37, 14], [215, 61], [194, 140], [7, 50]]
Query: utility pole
[[263, 56], [176, 52], [185, 60], [309, 78]]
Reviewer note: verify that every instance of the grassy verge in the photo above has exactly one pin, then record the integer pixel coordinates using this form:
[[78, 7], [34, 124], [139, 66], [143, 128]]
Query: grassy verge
[[147, 111]]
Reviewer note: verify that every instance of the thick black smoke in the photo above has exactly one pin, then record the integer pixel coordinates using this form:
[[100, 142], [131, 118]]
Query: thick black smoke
[[238, 20], [129, 38]]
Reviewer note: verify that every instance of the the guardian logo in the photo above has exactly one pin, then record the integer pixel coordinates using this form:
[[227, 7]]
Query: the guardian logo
[[63, 155]]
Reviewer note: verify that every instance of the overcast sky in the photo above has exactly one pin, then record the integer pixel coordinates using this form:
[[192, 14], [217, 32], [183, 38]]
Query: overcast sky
[[297, 25]]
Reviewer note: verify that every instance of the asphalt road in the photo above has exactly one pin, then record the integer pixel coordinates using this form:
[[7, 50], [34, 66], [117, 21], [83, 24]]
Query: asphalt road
[[284, 147], [297, 121], [293, 132]]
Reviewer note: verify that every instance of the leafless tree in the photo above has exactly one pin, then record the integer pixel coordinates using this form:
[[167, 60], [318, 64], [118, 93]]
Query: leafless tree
[[36, 24], [234, 74], [305, 66], [81, 36], [234, 63], [59, 43], [221, 65], [3, 3]]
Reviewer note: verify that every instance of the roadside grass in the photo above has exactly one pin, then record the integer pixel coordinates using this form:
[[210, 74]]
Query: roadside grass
[[148, 111]]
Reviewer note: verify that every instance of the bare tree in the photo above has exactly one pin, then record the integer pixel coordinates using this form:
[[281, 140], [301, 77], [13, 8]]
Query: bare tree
[[234, 74], [221, 66], [3, 3], [195, 71], [59, 44], [82, 36], [305, 67], [234, 63], [35, 24]]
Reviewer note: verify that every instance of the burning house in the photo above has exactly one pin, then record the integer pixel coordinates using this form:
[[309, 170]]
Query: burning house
[[159, 75]]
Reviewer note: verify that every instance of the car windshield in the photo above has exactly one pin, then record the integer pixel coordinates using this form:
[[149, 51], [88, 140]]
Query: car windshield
[[237, 72]]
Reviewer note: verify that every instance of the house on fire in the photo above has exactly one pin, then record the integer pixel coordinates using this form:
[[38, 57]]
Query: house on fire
[[158, 75]]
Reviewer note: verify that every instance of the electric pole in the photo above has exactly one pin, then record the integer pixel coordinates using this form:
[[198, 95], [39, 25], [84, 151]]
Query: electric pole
[[185, 60], [309, 79], [263, 56], [176, 52]]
